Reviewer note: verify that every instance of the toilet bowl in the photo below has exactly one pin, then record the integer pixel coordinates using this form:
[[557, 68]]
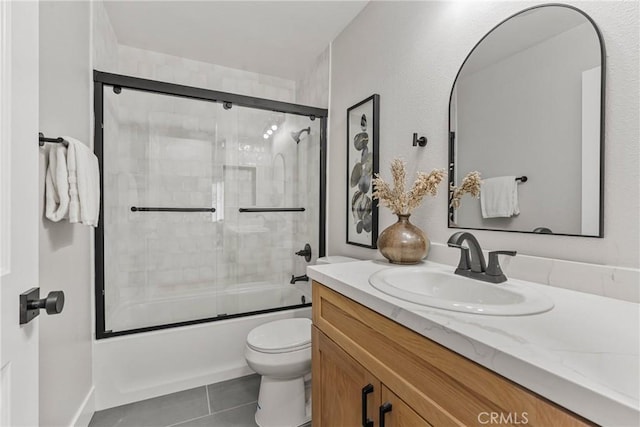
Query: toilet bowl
[[280, 352]]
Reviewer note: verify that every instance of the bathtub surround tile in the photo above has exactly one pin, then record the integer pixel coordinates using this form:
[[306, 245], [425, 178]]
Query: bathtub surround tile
[[159, 66], [159, 411], [229, 394]]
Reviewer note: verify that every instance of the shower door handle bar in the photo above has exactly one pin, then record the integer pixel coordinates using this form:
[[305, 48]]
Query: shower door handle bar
[[271, 210], [153, 209]]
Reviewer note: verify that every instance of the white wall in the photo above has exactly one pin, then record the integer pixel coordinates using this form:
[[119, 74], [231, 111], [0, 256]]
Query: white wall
[[410, 52], [65, 263]]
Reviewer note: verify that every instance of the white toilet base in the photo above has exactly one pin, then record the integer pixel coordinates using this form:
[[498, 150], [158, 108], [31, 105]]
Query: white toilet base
[[281, 403]]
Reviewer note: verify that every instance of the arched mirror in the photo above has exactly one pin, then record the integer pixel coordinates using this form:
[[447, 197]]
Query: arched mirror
[[527, 106]]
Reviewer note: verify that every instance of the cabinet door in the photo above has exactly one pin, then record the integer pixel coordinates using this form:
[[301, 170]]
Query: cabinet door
[[396, 413], [342, 388]]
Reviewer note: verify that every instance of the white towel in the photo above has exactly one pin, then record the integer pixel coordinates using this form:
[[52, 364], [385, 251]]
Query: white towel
[[499, 197], [56, 186], [84, 183]]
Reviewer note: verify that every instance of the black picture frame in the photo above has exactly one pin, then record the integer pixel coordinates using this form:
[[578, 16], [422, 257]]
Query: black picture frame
[[363, 125]]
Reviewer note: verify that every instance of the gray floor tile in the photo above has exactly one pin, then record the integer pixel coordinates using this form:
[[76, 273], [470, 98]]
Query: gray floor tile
[[157, 412], [242, 416], [232, 393]]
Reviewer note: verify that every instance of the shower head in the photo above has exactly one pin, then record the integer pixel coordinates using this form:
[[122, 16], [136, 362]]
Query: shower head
[[296, 135]]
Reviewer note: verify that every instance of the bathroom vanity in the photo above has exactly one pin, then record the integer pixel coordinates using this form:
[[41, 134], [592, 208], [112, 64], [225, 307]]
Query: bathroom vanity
[[382, 361]]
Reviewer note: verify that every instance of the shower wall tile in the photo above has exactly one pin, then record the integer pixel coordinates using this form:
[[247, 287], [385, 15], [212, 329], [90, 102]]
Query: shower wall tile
[[105, 43], [159, 66], [313, 87]]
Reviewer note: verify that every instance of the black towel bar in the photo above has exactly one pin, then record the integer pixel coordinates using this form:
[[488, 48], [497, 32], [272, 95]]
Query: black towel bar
[[271, 209], [42, 139]]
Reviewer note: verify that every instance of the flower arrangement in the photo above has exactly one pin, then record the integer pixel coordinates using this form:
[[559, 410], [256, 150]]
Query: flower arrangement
[[396, 198], [470, 185]]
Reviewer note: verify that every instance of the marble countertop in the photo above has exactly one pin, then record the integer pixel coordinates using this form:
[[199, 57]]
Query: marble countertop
[[584, 354]]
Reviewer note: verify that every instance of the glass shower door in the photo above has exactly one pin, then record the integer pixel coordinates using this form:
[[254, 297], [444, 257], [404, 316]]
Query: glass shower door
[[161, 237], [207, 206], [271, 188]]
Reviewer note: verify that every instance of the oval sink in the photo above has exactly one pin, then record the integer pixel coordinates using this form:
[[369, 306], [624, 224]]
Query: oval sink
[[449, 291]]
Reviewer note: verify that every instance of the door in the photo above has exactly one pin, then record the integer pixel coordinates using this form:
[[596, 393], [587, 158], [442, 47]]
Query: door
[[18, 210], [344, 392]]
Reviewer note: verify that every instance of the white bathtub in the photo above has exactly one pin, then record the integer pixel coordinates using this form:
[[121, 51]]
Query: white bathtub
[[139, 366], [243, 298]]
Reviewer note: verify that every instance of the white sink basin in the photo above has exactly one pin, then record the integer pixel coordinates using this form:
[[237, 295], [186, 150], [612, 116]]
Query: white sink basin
[[440, 289]]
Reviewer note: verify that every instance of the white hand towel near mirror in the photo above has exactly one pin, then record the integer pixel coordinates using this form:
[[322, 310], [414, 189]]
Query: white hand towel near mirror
[[499, 197]]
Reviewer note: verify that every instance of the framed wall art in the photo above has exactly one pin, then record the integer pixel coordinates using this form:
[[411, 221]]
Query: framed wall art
[[362, 163]]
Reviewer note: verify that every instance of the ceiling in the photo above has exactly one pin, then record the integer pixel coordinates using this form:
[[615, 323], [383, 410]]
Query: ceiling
[[278, 38]]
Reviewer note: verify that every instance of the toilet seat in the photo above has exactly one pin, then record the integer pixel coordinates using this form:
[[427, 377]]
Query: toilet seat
[[281, 336]]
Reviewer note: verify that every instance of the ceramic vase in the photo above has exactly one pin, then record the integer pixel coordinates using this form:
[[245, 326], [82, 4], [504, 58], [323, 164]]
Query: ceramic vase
[[403, 242]]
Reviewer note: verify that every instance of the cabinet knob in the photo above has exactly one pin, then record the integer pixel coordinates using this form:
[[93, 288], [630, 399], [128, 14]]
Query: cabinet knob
[[366, 422], [384, 408]]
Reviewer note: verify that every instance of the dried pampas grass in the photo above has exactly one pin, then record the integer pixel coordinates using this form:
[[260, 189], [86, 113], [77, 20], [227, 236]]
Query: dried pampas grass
[[397, 199], [470, 185]]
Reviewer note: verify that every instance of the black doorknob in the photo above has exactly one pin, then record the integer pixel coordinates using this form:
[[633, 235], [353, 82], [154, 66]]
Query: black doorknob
[[53, 303], [31, 304]]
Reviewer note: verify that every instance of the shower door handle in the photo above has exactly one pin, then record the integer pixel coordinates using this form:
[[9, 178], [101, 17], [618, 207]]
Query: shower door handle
[[254, 210], [158, 209]]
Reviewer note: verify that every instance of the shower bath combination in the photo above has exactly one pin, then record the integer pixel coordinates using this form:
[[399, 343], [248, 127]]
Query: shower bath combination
[[216, 194]]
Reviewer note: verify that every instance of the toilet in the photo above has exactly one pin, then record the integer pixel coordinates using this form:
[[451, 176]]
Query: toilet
[[280, 351]]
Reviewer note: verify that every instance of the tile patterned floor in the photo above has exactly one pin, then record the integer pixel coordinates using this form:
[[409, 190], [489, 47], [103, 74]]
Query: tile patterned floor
[[226, 404]]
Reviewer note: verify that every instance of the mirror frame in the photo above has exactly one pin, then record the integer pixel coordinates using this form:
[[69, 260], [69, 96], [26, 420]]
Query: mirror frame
[[451, 135]]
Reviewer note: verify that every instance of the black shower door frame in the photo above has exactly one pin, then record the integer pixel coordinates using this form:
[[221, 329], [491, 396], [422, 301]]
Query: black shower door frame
[[228, 100]]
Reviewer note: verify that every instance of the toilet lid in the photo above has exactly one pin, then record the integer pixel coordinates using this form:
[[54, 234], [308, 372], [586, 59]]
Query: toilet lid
[[281, 336]]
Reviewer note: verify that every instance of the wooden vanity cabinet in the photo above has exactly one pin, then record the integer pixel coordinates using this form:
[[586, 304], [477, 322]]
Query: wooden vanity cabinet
[[351, 395], [363, 362]]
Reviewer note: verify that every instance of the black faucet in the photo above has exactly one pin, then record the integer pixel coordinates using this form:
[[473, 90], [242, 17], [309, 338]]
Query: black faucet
[[303, 278], [472, 263]]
